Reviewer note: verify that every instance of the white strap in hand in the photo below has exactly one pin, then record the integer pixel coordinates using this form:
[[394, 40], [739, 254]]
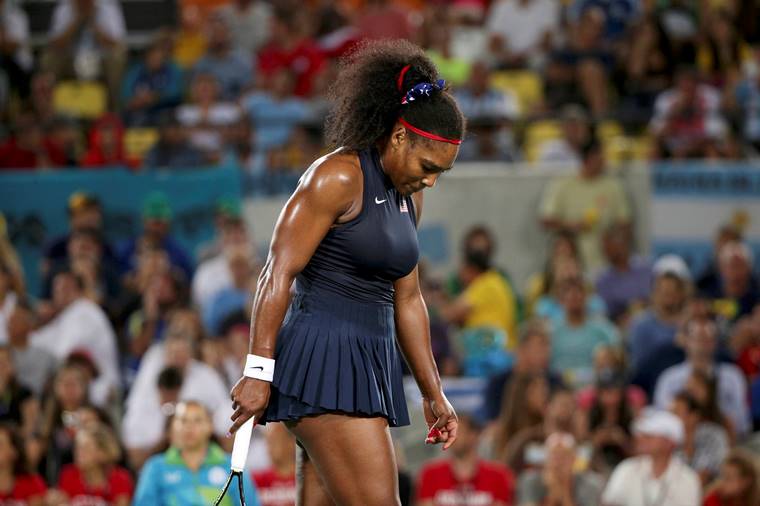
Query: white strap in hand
[[260, 368], [240, 446]]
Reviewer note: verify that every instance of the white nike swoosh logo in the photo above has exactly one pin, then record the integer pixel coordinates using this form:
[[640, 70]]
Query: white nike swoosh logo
[[379, 201]]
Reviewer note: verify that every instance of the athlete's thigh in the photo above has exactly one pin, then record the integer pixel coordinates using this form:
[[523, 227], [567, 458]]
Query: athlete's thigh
[[353, 456], [311, 491]]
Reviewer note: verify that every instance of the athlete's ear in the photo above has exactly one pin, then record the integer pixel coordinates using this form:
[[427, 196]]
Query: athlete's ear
[[399, 136]]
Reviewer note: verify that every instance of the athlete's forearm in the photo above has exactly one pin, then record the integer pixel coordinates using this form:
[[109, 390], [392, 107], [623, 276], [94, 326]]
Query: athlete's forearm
[[413, 334], [269, 308]]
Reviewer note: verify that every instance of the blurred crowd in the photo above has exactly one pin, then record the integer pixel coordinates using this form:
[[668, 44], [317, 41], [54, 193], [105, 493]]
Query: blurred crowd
[[609, 378], [246, 81]]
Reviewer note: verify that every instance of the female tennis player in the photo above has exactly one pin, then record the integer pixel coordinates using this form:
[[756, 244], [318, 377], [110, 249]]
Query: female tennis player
[[347, 236]]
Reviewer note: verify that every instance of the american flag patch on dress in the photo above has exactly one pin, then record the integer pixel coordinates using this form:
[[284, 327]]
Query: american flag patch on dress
[[403, 207]]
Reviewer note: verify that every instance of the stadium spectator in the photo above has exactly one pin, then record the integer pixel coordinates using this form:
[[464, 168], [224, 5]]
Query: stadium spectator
[[618, 15], [20, 487], [81, 325], [94, 477], [15, 52], [214, 274], [687, 122], [157, 216], [172, 150], [563, 246], [586, 204], [85, 258], [190, 39], [65, 136], [523, 406], [229, 66], [16, 401], [249, 24], [531, 358], [27, 147], [37, 364], [232, 349], [650, 64], [276, 486], [242, 152], [656, 473], [549, 304], [8, 301], [742, 101], [206, 114], [465, 478], [235, 298], [274, 111], [580, 70], [87, 40], [152, 85], [84, 212], [436, 38], [721, 52], [59, 422], [738, 483], [558, 482], [9, 260], [705, 443], [704, 389], [41, 103], [291, 48], [626, 283], [710, 276], [608, 408], [198, 467], [144, 421], [736, 289], [106, 144], [576, 133], [487, 301], [700, 343], [560, 416], [576, 338], [651, 338], [522, 32]]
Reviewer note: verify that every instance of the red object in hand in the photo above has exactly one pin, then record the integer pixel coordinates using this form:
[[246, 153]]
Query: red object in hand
[[433, 433]]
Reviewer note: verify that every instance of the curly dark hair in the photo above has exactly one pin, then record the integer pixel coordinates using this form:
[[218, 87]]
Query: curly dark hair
[[367, 99]]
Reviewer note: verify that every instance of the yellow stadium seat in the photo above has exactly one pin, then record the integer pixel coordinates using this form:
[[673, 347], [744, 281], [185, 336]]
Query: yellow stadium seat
[[524, 84], [618, 150], [137, 141], [608, 129], [80, 99], [538, 132]]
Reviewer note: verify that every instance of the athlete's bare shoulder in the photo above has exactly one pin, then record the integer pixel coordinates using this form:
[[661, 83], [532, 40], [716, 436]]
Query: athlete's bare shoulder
[[335, 180]]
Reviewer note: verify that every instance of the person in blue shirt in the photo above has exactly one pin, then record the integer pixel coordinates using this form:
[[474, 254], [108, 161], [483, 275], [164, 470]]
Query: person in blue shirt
[[193, 470], [152, 85]]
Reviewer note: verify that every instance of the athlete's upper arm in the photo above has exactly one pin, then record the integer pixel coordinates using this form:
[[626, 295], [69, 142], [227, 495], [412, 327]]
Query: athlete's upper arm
[[327, 191], [408, 286]]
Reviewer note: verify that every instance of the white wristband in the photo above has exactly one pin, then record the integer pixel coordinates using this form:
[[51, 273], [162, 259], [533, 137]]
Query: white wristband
[[260, 368]]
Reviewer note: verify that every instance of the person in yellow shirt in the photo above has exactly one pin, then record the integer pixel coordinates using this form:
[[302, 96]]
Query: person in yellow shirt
[[487, 300], [586, 204]]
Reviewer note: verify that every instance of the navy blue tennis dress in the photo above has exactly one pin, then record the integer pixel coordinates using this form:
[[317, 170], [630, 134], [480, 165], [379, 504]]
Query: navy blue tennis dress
[[336, 350]]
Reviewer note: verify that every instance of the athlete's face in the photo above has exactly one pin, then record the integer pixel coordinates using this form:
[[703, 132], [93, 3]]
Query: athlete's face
[[416, 164]]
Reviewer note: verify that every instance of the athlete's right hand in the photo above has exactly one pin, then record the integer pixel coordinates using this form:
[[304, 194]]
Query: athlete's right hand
[[249, 398]]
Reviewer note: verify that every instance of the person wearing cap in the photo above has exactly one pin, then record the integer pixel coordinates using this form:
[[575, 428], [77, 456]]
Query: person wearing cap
[[465, 478], [157, 216], [85, 212], [576, 132], [656, 477], [652, 333], [558, 483], [173, 150], [586, 204], [700, 341]]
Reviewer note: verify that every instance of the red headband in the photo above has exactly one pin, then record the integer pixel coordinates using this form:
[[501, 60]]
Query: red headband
[[400, 79], [428, 135]]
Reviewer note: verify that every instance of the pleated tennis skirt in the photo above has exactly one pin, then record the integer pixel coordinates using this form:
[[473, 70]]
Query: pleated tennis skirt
[[337, 355]]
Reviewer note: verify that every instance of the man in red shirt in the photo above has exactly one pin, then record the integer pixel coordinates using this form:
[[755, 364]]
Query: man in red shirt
[[276, 486], [28, 149], [465, 479]]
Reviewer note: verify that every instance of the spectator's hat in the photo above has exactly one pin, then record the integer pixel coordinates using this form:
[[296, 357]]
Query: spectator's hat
[[156, 207], [674, 265], [80, 201], [229, 208], [658, 422]]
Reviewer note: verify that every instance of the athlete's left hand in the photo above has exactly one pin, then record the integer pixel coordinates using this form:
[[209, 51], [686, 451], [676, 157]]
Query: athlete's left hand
[[441, 420]]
